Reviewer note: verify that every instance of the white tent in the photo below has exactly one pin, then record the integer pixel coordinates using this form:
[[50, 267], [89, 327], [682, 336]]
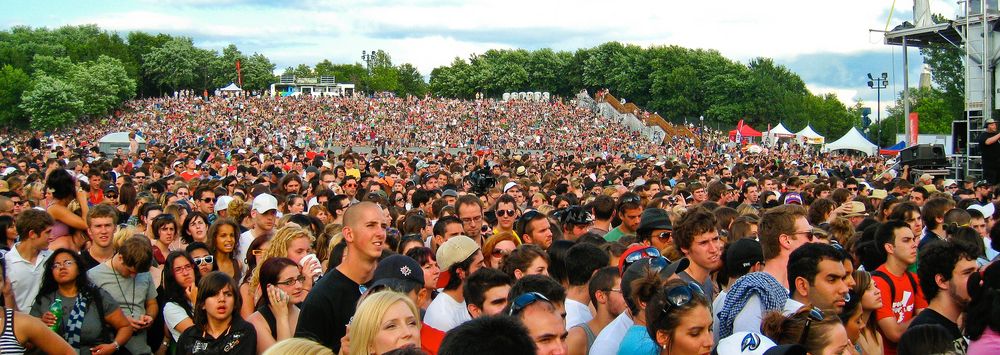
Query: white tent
[[779, 131], [230, 88], [112, 141], [809, 136], [855, 141]]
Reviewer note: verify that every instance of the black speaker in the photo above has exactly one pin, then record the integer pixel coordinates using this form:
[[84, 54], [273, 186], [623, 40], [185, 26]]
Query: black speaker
[[924, 156]]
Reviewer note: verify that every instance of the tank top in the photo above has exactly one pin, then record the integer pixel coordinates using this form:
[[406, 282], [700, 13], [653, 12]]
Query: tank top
[[59, 228], [589, 332], [272, 322], [8, 342]]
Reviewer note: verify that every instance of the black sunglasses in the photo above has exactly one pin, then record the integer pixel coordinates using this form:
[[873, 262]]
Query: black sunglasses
[[525, 300], [509, 213], [814, 314]]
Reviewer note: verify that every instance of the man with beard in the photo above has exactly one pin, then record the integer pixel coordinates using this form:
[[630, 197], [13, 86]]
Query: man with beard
[[945, 267]]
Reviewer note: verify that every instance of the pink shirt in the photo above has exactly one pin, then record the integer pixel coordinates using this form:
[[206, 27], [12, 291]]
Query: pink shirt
[[987, 344]]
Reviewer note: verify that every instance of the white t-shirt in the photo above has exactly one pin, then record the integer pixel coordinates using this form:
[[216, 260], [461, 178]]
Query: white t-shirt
[[173, 315], [720, 300], [750, 317], [25, 277], [611, 336], [577, 313], [445, 313], [245, 239]]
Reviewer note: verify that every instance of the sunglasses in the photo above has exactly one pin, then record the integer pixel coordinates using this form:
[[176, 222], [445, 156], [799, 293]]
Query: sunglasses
[[208, 200], [500, 253], [207, 259], [665, 235], [814, 314], [509, 213], [679, 296], [631, 199], [525, 300]]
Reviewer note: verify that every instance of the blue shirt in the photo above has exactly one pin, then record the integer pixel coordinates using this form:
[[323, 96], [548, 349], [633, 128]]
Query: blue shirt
[[638, 342]]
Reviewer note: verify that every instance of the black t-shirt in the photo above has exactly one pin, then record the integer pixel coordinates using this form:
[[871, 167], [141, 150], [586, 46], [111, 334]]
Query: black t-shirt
[[929, 316], [240, 339], [88, 261], [328, 309], [990, 153]]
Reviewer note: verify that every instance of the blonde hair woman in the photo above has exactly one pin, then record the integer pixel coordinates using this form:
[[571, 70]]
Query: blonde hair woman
[[367, 331], [295, 243], [298, 346]]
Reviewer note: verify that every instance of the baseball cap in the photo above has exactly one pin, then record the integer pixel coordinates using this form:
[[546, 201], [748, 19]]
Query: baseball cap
[[509, 186], [793, 197], [989, 120], [399, 273], [264, 202], [982, 183], [987, 209], [654, 218], [742, 254], [576, 215], [949, 182], [747, 343], [222, 203], [880, 194], [449, 192], [452, 252], [857, 209]]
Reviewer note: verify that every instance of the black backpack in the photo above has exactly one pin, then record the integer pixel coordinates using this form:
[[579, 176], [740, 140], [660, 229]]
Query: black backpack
[[892, 287]]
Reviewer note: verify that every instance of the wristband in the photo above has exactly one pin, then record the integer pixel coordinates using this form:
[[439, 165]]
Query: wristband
[[115, 343]]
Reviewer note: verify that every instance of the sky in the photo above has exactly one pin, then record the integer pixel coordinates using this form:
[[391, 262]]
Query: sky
[[828, 43]]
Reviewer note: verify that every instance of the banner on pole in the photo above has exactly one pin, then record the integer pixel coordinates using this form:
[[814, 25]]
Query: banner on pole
[[914, 128]]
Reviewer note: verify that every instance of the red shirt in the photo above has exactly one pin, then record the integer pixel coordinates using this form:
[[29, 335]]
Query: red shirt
[[901, 306], [430, 339], [187, 175]]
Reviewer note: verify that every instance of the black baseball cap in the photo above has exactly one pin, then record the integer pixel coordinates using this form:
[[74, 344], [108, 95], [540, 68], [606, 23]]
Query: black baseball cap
[[742, 254], [399, 273]]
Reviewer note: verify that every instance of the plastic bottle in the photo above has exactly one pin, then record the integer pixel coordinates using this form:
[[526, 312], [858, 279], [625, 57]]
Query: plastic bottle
[[57, 310]]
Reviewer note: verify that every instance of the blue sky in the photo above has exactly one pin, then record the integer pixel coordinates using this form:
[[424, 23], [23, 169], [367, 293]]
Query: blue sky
[[828, 43]]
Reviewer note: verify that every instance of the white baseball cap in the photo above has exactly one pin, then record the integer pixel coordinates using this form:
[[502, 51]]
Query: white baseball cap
[[264, 202], [509, 186], [222, 203]]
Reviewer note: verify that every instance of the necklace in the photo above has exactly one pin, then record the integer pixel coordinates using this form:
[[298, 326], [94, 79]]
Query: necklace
[[128, 303]]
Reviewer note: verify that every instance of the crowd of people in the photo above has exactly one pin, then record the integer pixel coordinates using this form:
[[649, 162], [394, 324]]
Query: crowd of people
[[236, 230], [383, 121]]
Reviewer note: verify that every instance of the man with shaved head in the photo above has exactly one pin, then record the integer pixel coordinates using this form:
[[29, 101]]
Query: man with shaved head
[[330, 304]]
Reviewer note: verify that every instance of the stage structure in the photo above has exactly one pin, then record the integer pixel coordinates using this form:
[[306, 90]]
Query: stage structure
[[975, 32]]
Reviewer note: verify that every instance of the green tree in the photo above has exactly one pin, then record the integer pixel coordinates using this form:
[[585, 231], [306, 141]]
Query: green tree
[[51, 103], [13, 83], [178, 64], [52, 66], [258, 73], [410, 81], [101, 85]]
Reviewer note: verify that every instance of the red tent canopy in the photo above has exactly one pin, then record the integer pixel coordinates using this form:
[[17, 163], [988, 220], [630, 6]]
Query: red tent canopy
[[745, 131]]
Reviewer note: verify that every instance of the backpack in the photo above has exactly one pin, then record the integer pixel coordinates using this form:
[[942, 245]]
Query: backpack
[[892, 287]]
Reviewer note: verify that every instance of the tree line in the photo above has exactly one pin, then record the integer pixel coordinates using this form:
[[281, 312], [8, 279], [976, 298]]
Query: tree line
[[681, 84], [52, 77]]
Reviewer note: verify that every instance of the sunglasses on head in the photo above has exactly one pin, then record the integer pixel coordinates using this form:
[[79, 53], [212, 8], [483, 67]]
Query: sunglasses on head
[[500, 253], [814, 314], [525, 300], [681, 295]]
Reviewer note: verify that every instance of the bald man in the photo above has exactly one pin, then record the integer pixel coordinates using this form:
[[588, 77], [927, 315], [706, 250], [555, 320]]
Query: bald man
[[331, 303]]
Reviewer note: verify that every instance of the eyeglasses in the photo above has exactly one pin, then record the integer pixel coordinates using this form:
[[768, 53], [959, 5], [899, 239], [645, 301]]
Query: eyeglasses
[[207, 259], [500, 253], [208, 200], [509, 213], [292, 281], [613, 290], [814, 314], [184, 268], [525, 300], [258, 252], [63, 264], [469, 220], [678, 296]]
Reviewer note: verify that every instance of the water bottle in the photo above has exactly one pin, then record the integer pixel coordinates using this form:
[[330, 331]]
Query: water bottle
[[57, 310]]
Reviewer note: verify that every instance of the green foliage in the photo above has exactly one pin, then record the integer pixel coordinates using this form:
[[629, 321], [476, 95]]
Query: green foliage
[[178, 64], [932, 107], [51, 103], [101, 85], [13, 82]]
